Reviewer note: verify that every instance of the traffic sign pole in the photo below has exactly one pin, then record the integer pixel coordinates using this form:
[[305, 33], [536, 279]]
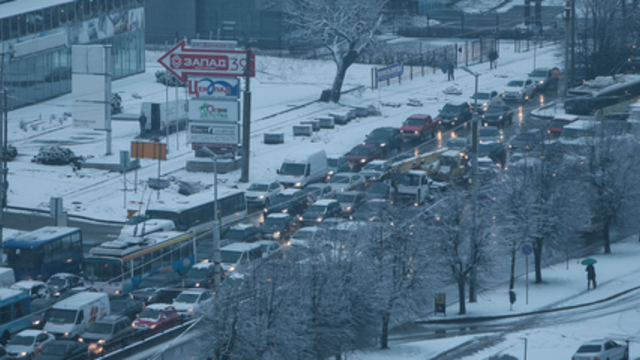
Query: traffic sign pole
[[527, 249]]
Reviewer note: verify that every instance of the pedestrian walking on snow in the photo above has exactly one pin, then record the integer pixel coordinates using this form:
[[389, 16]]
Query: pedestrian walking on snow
[[450, 70], [143, 124], [591, 276]]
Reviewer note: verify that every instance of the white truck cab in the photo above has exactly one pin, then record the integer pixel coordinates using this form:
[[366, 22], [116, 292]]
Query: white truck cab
[[412, 185], [72, 316]]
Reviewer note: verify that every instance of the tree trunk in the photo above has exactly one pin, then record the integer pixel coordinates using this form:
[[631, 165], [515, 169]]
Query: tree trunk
[[472, 286], [512, 276], [384, 338], [347, 60], [605, 237], [537, 254], [462, 306]]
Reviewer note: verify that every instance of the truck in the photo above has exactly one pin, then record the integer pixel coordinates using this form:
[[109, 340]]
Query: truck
[[411, 185], [71, 316], [299, 170], [452, 165]]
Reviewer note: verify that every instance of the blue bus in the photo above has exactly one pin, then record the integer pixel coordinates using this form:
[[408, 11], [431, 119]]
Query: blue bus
[[15, 310], [38, 254], [118, 266]]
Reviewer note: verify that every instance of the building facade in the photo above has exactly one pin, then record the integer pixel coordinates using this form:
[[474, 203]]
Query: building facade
[[36, 37]]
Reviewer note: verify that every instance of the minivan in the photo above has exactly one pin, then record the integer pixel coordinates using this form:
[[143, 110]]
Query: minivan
[[73, 315], [236, 255]]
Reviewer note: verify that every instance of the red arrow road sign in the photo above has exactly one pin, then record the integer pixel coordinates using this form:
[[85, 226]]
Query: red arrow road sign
[[182, 61]]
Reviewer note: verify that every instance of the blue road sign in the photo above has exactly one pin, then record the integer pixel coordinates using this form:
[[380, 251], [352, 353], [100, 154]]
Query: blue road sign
[[527, 249]]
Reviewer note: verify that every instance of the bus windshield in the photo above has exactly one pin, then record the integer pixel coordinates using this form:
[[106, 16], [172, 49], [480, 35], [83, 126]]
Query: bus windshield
[[24, 259], [101, 269], [62, 316]]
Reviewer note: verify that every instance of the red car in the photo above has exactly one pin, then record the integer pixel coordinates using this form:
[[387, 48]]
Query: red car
[[419, 126], [156, 317], [361, 155]]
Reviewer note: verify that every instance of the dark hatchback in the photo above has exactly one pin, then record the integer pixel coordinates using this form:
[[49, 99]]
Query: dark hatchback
[[386, 138], [497, 115], [453, 115], [64, 350]]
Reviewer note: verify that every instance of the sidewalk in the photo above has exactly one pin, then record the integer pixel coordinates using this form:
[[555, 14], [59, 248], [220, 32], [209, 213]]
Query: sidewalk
[[616, 273]]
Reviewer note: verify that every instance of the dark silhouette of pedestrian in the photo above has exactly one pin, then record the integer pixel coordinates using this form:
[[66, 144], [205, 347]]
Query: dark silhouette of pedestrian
[[493, 56], [143, 124], [591, 276], [450, 70]]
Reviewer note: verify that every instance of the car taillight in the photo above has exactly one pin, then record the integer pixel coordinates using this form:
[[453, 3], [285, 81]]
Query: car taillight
[[596, 358]]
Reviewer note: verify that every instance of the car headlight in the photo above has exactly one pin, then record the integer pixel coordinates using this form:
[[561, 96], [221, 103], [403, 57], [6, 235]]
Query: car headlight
[[66, 334], [416, 132], [190, 309], [80, 339], [348, 208], [486, 124], [37, 322], [197, 284], [363, 160], [540, 82], [500, 118], [510, 146], [101, 341], [453, 123], [285, 210], [319, 219], [383, 144], [297, 184], [261, 197], [24, 353], [153, 326], [300, 217], [520, 92], [276, 234], [57, 293], [330, 172], [455, 118], [232, 268]]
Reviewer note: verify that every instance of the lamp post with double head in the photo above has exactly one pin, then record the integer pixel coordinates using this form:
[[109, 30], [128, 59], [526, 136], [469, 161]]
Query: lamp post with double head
[[217, 274]]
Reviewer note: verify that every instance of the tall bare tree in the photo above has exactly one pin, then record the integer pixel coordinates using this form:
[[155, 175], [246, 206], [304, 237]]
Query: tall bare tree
[[343, 27]]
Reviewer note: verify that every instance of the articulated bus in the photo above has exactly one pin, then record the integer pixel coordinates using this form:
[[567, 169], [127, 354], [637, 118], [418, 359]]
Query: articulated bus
[[594, 95], [118, 266], [195, 213], [15, 312], [38, 254]]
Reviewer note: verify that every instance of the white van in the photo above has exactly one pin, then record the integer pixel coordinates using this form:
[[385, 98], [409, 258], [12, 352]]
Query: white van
[[235, 255], [72, 316], [299, 170]]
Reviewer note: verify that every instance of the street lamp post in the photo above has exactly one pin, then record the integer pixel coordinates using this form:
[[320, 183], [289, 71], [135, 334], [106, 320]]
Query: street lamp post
[[217, 273], [474, 155]]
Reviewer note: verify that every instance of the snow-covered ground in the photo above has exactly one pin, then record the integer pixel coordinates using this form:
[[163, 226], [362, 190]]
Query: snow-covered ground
[[560, 334], [278, 85]]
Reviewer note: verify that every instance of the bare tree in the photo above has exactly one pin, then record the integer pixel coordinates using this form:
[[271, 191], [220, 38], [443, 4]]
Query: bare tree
[[461, 238], [344, 27]]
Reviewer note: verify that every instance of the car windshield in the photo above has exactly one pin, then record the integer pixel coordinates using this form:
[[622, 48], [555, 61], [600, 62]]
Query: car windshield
[[317, 209], [346, 198], [378, 134], [151, 314], [332, 162], [230, 256], [361, 150], [413, 122], [589, 349], [292, 169], [258, 187], [56, 282], [137, 219], [55, 349], [481, 96], [187, 298], [539, 73], [62, 316], [450, 108], [374, 167], [100, 328], [271, 221], [495, 109], [488, 131], [516, 83], [407, 179], [234, 234], [337, 179], [281, 198], [197, 273], [457, 143], [22, 340]]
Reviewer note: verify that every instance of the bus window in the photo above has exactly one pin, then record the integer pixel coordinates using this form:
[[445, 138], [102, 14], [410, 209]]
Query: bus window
[[146, 262], [126, 269], [184, 250], [5, 314], [175, 252], [66, 244], [157, 259], [137, 266], [18, 309], [166, 256]]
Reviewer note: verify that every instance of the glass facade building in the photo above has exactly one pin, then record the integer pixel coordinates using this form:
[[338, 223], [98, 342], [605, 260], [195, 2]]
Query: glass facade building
[[36, 38]]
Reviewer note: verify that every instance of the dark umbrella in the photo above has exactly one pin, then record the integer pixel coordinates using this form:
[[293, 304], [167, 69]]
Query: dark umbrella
[[588, 261]]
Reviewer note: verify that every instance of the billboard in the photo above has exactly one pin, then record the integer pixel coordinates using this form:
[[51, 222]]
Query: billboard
[[91, 86], [215, 135], [389, 72], [214, 88], [214, 110]]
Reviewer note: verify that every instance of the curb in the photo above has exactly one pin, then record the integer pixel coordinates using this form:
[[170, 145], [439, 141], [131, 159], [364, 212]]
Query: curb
[[510, 316]]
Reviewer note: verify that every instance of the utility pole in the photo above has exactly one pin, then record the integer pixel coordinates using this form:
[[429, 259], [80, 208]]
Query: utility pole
[[567, 36], [573, 43], [3, 146], [246, 116]]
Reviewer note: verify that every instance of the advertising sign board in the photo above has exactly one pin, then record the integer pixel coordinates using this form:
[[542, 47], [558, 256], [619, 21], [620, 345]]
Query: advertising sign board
[[389, 72], [214, 88], [214, 110], [218, 134]]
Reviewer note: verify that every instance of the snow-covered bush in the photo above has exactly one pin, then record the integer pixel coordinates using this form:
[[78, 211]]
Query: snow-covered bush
[[54, 155]]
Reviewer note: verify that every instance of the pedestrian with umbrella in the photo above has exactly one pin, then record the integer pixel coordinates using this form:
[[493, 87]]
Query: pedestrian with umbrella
[[591, 272]]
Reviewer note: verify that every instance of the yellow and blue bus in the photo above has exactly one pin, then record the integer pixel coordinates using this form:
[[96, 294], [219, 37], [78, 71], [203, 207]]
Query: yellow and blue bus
[[118, 266], [38, 254], [15, 312]]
